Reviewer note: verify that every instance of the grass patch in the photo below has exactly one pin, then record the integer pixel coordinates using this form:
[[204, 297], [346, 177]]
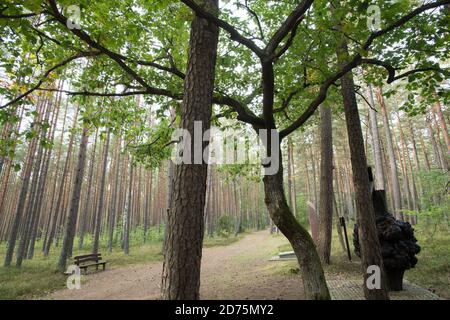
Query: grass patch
[[431, 272], [39, 276], [433, 269], [221, 241]]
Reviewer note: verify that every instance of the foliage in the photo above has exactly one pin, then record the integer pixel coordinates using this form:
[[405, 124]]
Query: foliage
[[225, 226]]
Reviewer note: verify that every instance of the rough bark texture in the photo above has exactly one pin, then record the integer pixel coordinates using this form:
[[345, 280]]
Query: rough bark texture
[[370, 246], [315, 286], [326, 185], [71, 223], [182, 257]]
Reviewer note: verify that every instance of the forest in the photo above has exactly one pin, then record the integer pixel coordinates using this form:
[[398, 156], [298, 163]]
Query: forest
[[233, 149]]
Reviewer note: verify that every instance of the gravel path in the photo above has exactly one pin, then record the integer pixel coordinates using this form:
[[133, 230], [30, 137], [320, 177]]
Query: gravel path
[[240, 270]]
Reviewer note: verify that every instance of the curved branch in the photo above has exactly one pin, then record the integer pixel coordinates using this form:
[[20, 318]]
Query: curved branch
[[353, 63], [88, 40], [392, 71], [232, 31], [244, 114], [47, 73], [288, 25], [255, 16], [17, 16]]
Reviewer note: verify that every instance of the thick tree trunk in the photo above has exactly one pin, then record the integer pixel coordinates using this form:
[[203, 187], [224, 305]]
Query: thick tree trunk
[[182, 257], [314, 284], [370, 246], [71, 223], [326, 185]]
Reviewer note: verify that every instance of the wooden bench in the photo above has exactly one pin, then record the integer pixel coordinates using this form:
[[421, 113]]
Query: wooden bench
[[88, 260]]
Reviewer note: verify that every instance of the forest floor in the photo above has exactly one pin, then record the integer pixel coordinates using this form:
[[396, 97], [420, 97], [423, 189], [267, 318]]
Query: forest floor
[[240, 270]]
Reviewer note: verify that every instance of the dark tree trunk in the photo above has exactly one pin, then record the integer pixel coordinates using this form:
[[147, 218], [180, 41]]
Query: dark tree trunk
[[71, 223], [314, 284], [326, 185], [370, 246], [182, 257]]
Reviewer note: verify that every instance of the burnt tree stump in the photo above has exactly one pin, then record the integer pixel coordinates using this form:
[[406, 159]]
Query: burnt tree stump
[[398, 244]]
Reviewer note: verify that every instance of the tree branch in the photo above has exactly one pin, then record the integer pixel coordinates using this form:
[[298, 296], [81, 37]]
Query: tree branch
[[288, 25], [88, 40], [392, 71], [47, 73], [244, 114], [234, 34], [255, 16], [354, 62], [289, 42]]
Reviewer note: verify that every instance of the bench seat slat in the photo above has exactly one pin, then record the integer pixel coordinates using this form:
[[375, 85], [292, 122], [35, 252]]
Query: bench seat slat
[[92, 264]]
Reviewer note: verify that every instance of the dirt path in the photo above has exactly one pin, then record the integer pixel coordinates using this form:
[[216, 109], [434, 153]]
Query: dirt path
[[237, 271]]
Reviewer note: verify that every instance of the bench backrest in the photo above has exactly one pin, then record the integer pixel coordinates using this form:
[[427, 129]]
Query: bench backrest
[[78, 260]]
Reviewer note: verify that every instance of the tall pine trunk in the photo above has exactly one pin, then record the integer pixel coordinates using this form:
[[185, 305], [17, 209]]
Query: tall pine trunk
[[370, 245], [71, 223], [376, 147], [396, 194], [326, 185], [101, 202], [182, 257]]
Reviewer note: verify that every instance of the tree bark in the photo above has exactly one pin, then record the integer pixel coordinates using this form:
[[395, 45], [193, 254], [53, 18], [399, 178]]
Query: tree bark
[[326, 185], [182, 257], [99, 213], [370, 246], [71, 223], [314, 284]]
